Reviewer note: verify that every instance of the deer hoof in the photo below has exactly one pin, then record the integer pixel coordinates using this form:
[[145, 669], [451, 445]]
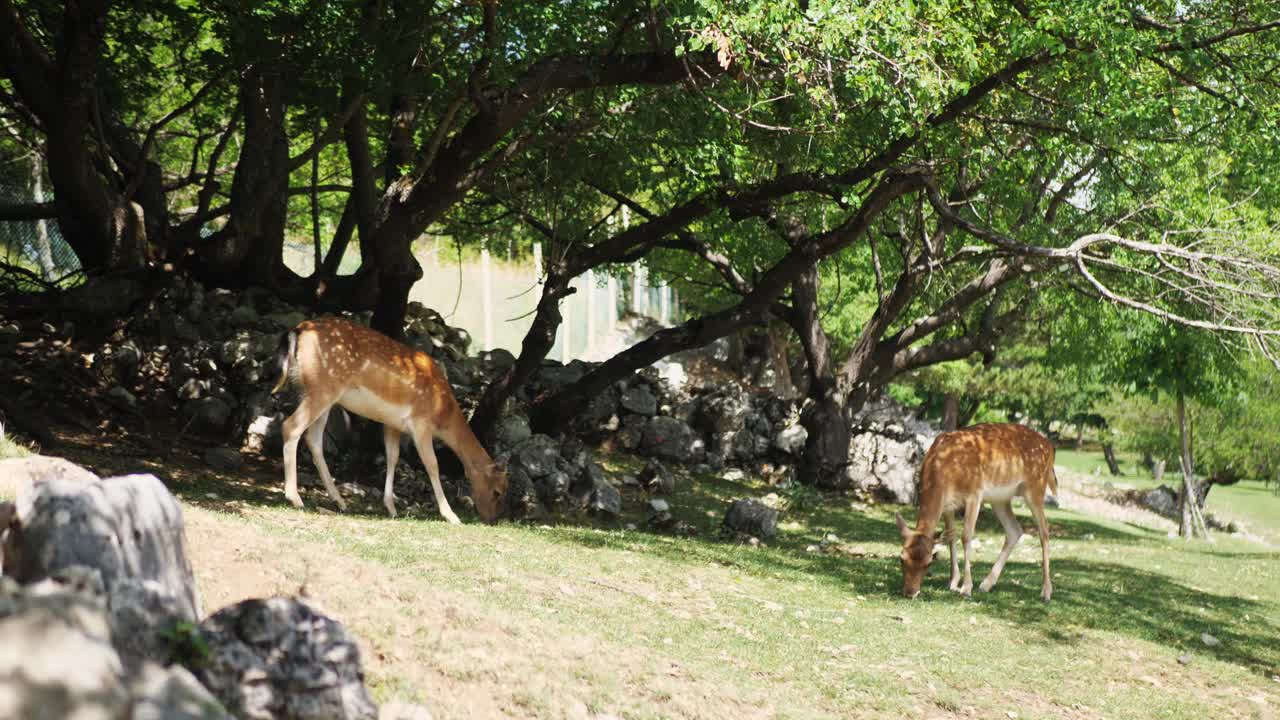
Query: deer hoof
[[295, 499], [452, 519]]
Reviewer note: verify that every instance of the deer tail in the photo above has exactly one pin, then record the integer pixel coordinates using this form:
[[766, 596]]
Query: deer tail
[[284, 358]]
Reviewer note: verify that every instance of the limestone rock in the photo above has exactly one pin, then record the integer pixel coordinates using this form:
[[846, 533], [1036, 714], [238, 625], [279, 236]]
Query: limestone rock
[[669, 438], [281, 659], [751, 518], [127, 527]]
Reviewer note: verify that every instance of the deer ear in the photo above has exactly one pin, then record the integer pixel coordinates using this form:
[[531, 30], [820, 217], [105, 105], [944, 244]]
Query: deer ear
[[902, 526]]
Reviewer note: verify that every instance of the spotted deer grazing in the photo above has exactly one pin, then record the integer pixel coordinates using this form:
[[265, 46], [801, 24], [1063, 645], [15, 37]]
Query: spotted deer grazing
[[991, 463], [337, 362]]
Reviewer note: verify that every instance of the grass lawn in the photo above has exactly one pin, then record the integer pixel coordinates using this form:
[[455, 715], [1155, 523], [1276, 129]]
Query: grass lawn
[[579, 619]]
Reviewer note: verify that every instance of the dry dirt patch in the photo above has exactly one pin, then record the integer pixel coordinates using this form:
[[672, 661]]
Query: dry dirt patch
[[429, 645]]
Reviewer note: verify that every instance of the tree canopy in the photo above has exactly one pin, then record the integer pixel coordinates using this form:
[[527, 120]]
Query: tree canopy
[[903, 184]]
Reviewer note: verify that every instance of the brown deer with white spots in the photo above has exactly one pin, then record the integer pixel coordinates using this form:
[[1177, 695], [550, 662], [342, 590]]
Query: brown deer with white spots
[[337, 362], [991, 463]]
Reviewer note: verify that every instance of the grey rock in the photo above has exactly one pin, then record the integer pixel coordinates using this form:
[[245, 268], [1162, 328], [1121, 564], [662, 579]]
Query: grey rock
[[575, 454], [223, 459], [1160, 500], [172, 693], [791, 439], [285, 320], [140, 612], [751, 518], [56, 660], [244, 316], [599, 413], [639, 400], [263, 436], [208, 414], [885, 466], [537, 454], [721, 411], [656, 478], [511, 431], [281, 658], [631, 433], [658, 505], [522, 496], [497, 360], [553, 488], [127, 528], [605, 500], [123, 397], [672, 439], [588, 479]]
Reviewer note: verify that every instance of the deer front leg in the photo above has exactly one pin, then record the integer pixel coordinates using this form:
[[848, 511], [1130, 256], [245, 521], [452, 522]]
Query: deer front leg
[[970, 523], [422, 441], [949, 518], [391, 443], [1012, 533], [308, 410], [315, 442]]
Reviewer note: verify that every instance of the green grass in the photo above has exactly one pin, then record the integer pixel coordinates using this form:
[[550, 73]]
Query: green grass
[[781, 631], [10, 448]]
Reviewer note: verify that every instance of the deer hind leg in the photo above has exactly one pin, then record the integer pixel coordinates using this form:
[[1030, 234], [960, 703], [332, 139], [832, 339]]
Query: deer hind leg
[[1012, 534], [422, 441], [391, 442], [949, 518], [308, 410], [970, 523], [315, 443], [1042, 526]]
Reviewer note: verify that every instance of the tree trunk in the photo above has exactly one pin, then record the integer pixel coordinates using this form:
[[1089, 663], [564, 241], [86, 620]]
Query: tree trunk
[[1157, 471], [44, 251], [1109, 452], [826, 451], [535, 346], [250, 248], [776, 345], [398, 270], [950, 412], [1188, 494]]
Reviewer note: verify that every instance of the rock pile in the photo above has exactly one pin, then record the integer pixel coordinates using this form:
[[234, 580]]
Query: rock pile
[[95, 571]]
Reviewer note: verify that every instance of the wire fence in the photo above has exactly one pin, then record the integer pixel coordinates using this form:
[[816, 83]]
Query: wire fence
[[34, 246]]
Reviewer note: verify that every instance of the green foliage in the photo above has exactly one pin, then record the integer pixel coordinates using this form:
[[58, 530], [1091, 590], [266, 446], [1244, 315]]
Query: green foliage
[[1234, 437], [187, 645]]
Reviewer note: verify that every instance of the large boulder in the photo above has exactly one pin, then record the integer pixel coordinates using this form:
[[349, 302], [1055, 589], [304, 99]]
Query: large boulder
[[282, 659], [885, 466], [58, 659], [537, 454], [751, 518], [671, 439], [791, 439], [639, 400], [127, 528]]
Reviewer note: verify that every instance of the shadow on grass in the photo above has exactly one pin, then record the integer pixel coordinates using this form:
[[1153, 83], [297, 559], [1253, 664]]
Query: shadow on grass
[[1089, 595], [1101, 596]]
